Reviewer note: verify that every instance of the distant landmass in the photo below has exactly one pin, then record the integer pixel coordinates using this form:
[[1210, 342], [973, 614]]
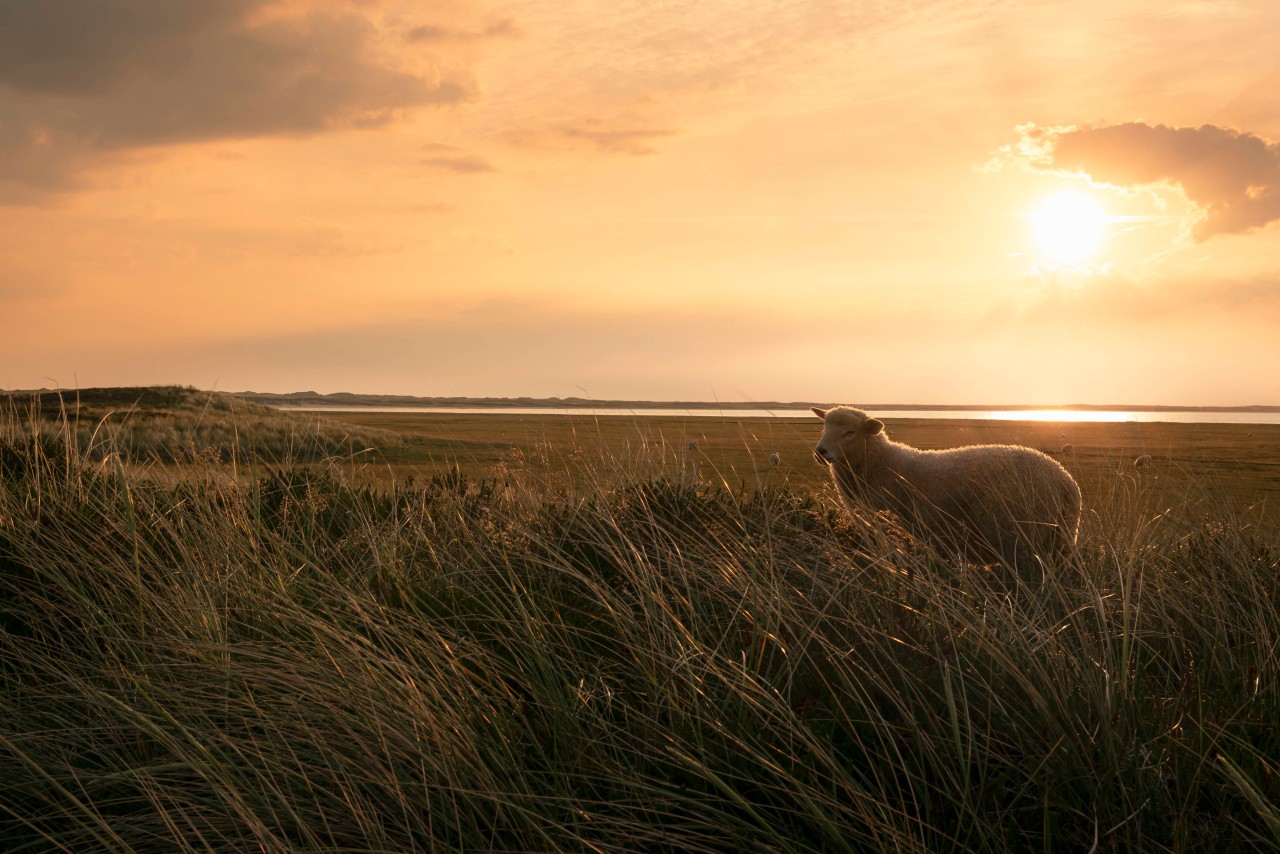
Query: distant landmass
[[152, 396], [342, 398]]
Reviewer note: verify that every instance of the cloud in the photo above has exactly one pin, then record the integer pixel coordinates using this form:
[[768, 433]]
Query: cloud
[[462, 165], [92, 46], [596, 134], [449, 158], [85, 80], [1232, 177], [614, 140], [431, 34]]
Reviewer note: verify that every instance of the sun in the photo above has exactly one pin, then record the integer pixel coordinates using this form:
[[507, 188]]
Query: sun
[[1069, 227]]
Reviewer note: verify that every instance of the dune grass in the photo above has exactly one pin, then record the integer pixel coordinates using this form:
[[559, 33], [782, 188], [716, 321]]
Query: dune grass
[[289, 658], [174, 425]]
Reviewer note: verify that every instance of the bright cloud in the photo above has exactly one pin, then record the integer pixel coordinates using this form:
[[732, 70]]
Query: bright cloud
[[1231, 176]]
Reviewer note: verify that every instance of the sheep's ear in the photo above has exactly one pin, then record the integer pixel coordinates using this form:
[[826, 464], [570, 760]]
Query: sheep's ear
[[821, 413], [872, 426]]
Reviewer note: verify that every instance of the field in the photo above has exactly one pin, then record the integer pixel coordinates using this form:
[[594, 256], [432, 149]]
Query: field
[[223, 627], [1235, 464]]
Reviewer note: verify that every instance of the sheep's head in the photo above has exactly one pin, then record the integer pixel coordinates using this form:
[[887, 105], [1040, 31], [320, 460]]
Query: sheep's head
[[844, 441]]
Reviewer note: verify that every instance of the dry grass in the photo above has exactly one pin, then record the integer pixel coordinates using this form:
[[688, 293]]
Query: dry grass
[[632, 658], [1205, 465], [171, 425]]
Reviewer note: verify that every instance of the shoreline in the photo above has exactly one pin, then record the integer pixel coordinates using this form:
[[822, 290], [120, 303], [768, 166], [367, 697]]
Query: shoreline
[[1079, 416], [394, 402]]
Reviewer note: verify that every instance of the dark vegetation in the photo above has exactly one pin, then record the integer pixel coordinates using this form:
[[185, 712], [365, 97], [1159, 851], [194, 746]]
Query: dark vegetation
[[637, 658], [170, 424]]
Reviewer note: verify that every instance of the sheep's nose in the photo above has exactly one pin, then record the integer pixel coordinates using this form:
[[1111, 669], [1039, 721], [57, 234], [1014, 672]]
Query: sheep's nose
[[821, 453]]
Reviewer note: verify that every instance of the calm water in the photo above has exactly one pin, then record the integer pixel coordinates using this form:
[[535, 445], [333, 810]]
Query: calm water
[[980, 415]]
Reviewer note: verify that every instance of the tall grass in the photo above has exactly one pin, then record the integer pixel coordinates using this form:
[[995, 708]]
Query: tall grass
[[169, 424], [288, 659]]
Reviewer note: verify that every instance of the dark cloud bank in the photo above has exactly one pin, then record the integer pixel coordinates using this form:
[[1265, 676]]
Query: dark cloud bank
[[80, 79], [1233, 177]]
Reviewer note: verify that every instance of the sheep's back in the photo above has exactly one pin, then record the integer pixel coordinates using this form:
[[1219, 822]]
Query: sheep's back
[[997, 490]]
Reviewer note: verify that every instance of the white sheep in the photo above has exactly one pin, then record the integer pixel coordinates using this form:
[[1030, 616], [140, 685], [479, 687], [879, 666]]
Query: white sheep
[[1003, 501]]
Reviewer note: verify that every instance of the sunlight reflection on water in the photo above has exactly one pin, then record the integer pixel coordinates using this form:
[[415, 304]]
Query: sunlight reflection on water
[[1073, 415]]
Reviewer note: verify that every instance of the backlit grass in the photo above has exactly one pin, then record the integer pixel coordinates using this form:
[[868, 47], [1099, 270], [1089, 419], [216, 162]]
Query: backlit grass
[[644, 656]]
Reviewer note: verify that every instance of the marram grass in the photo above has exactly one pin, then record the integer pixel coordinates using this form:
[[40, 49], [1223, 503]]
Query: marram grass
[[286, 659], [174, 425]]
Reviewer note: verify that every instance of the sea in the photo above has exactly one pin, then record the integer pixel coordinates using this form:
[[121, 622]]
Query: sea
[[1198, 416]]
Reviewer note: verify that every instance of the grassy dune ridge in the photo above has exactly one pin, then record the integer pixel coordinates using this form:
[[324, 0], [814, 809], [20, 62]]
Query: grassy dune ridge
[[185, 425], [663, 651]]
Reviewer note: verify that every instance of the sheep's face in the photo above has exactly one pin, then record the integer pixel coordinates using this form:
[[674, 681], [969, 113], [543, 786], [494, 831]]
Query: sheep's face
[[844, 441]]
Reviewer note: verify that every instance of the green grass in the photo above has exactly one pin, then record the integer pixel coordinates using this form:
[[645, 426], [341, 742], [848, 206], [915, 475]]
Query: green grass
[[648, 655]]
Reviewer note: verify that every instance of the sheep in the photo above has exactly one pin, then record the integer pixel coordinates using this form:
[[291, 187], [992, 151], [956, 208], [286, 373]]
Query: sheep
[[1006, 502]]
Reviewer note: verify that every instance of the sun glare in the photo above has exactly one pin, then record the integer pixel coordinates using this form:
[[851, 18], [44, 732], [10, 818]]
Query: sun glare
[[1069, 227]]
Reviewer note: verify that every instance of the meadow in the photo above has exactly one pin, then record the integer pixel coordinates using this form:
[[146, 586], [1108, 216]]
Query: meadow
[[223, 627]]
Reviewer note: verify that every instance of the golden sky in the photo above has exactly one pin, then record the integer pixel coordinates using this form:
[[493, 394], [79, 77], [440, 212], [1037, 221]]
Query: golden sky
[[934, 202]]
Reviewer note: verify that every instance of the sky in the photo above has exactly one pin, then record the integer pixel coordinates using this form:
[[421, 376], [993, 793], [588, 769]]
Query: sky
[[926, 201]]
